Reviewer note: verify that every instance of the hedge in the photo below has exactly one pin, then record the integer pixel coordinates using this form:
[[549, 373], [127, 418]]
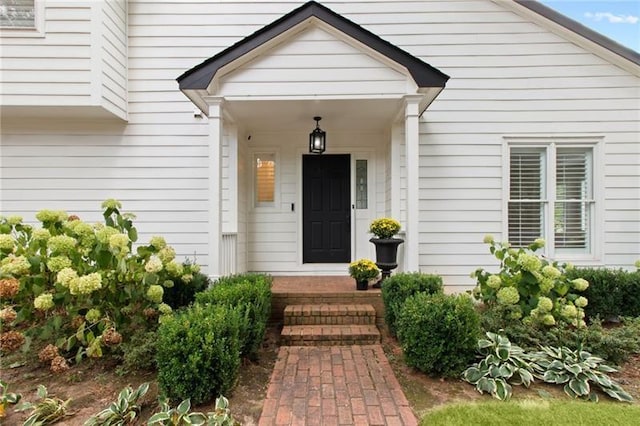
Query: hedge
[[397, 288]]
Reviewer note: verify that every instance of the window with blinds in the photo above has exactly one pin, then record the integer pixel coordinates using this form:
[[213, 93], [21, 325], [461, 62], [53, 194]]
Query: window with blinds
[[265, 179], [526, 195], [574, 199], [551, 192], [17, 14]]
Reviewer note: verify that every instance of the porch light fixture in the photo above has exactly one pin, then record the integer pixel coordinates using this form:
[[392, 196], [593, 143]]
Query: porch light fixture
[[317, 138]]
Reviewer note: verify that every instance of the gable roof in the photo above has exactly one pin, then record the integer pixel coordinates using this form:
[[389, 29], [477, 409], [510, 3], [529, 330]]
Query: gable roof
[[200, 76], [578, 28]]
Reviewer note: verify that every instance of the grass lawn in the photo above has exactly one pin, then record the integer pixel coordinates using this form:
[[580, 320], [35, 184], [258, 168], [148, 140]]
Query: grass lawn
[[531, 412]]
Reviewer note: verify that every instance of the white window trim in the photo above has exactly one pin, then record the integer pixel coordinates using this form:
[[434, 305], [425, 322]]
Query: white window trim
[[594, 142], [274, 206], [36, 31]]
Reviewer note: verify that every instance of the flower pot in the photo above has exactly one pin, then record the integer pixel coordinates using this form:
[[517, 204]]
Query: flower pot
[[362, 285], [386, 254]]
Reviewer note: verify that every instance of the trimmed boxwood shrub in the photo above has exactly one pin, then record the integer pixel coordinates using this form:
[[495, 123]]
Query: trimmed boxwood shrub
[[611, 292], [438, 333], [198, 353], [397, 288], [251, 293], [184, 293]]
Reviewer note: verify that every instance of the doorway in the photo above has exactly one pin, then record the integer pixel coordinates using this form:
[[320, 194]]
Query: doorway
[[326, 208]]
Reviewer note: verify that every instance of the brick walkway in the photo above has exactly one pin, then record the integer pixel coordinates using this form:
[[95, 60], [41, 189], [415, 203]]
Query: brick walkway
[[334, 385]]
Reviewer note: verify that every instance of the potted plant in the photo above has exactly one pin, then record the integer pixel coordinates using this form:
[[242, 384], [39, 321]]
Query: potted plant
[[362, 271], [384, 230]]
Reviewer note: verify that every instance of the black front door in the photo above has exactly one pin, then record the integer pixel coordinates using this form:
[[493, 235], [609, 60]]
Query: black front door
[[326, 213]]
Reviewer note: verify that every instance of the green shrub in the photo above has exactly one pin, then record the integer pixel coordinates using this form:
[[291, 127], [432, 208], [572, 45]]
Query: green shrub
[[612, 292], [614, 344], [198, 352], [183, 293], [397, 288], [139, 352], [438, 333], [251, 293]]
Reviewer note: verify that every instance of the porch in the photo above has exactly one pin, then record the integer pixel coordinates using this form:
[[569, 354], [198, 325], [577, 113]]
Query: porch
[[314, 290]]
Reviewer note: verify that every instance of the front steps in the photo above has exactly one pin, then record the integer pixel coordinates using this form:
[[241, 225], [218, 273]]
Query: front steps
[[329, 324]]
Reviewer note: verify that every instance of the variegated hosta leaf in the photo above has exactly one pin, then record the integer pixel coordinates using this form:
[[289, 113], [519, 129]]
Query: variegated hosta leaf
[[574, 369], [503, 390], [606, 369], [580, 387], [472, 375], [484, 343]]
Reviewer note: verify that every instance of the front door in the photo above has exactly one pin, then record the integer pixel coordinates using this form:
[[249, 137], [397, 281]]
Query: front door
[[326, 212]]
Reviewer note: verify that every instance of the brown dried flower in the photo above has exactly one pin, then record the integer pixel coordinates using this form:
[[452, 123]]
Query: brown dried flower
[[11, 341], [48, 353], [76, 322], [111, 337], [9, 287], [73, 217], [8, 314], [150, 313], [59, 365]]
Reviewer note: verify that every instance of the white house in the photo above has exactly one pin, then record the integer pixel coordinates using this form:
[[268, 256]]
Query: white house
[[459, 118]]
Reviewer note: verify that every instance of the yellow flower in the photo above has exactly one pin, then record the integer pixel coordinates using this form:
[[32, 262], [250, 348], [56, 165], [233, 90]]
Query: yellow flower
[[384, 227]]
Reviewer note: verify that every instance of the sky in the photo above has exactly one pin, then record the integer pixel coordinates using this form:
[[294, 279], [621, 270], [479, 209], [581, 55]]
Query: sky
[[617, 19]]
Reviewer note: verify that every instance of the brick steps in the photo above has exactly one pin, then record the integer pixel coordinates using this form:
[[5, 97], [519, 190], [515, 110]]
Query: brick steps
[[338, 314], [325, 325], [328, 335]]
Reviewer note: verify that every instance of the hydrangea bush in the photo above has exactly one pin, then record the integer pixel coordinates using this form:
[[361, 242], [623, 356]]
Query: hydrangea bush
[[83, 285], [530, 287]]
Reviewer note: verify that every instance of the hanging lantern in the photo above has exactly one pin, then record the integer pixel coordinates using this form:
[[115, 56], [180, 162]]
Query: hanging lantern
[[317, 138]]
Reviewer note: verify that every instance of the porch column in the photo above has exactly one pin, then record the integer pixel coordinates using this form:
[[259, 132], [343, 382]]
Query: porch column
[[412, 143], [215, 184]]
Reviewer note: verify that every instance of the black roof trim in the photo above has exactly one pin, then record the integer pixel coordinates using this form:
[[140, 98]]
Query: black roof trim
[[200, 76], [578, 28]]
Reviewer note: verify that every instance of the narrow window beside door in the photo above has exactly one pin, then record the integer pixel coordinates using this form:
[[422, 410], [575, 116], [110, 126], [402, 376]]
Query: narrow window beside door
[[265, 179]]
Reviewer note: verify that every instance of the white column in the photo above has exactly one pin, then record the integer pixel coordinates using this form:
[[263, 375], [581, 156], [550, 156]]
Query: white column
[[396, 154], [412, 143], [215, 184]]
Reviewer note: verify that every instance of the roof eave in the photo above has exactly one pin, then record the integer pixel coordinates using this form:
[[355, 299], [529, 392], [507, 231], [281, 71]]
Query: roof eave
[[200, 76]]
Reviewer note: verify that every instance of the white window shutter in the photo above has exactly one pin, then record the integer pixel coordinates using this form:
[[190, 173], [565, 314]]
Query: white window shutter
[[526, 195], [573, 199]]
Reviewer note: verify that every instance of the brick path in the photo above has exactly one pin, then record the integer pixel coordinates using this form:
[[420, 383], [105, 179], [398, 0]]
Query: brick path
[[334, 385]]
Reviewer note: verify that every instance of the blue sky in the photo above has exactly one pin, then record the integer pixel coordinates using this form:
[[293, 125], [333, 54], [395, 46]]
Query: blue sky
[[617, 19]]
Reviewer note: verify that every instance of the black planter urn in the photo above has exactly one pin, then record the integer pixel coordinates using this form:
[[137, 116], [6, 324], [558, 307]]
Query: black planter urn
[[386, 254]]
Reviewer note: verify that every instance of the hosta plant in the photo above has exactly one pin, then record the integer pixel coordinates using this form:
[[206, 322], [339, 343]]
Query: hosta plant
[[182, 415], [578, 371], [46, 411], [7, 398], [530, 287], [122, 411], [503, 364]]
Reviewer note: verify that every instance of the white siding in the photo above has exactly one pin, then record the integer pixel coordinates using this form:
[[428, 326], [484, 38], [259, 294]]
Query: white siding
[[79, 62], [114, 56], [313, 63], [54, 69], [508, 77]]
